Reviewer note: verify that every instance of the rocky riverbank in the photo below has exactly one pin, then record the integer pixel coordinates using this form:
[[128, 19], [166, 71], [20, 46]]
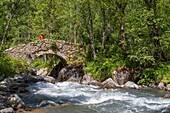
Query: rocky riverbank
[[12, 89]]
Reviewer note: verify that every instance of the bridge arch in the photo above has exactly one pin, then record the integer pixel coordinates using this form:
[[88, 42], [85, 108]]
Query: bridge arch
[[29, 52], [59, 56]]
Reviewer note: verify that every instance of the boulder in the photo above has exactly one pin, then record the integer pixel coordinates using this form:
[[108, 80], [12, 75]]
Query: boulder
[[4, 88], [70, 72], [152, 85], [32, 79], [73, 79], [131, 84], [50, 79], [19, 79], [168, 87], [122, 74], [109, 83], [47, 103], [8, 81], [95, 83], [7, 110], [32, 71], [22, 90], [166, 96], [42, 72], [15, 102], [161, 86]]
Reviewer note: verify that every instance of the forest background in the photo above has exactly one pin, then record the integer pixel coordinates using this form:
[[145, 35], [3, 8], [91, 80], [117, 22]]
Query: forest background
[[129, 33]]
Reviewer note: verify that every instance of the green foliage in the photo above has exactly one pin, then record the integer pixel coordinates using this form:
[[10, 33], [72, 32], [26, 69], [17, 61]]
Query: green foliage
[[163, 72], [10, 67], [49, 62], [54, 46], [102, 67], [6, 69], [38, 63], [146, 43], [147, 76]]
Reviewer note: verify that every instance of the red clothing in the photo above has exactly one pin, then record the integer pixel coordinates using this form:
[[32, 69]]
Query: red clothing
[[41, 36]]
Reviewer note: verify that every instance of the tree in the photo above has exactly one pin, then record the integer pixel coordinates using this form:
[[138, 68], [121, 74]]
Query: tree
[[154, 29], [15, 8], [121, 5]]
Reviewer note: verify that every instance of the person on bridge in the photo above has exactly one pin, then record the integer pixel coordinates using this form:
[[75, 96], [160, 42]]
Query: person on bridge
[[41, 36]]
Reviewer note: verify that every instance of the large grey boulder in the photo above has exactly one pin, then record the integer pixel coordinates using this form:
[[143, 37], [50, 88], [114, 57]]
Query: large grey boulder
[[161, 86], [32, 71], [109, 83], [70, 72], [50, 79], [168, 87], [131, 84], [166, 96], [32, 79], [8, 81], [42, 72], [15, 102], [7, 110], [47, 103], [95, 83]]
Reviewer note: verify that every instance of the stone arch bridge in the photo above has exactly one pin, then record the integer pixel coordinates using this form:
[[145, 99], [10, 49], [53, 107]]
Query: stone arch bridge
[[62, 49]]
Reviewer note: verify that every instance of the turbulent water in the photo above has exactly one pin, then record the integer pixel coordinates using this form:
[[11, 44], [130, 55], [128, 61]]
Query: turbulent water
[[78, 98]]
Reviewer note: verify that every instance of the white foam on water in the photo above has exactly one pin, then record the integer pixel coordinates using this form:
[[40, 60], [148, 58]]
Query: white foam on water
[[99, 96]]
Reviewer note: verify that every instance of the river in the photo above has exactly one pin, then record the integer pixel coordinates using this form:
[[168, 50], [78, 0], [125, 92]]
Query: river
[[78, 98]]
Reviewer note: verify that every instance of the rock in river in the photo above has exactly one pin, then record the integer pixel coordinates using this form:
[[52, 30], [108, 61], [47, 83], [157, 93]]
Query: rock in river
[[131, 84], [15, 102]]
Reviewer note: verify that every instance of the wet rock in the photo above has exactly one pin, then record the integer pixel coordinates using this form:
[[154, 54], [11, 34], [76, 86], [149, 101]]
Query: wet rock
[[42, 72], [32, 71], [50, 79], [19, 79], [22, 90], [161, 86], [7, 110], [47, 103], [68, 72], [109, 83], [95, 83], [15, 102], [73, 79], [3, 95], [131, 84], [8, 81], [4, 88], [168, 87], [152, 85], [32, 79], [166, 96]]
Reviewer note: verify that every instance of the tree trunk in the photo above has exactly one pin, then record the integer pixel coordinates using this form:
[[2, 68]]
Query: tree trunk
[[122, 36], [75, 34], [6, 30], [104, 27], [91, 30]]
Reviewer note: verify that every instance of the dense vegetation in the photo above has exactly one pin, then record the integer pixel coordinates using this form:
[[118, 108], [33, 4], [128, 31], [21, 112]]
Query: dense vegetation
[[131, 33]]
